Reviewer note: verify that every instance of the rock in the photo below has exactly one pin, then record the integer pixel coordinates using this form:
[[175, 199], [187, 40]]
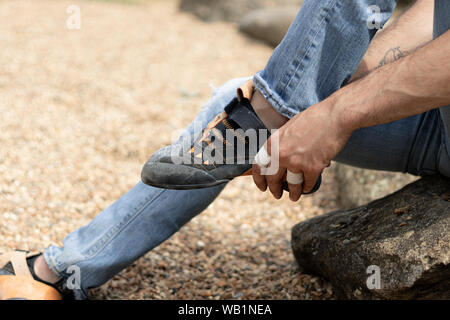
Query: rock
[[269, 24], [410, 251], [200, 245], [359, 186], [228, 10], [235, 10], [266, 20]]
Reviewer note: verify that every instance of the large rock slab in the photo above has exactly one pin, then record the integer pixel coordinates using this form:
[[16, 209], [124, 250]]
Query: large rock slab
[[397, 247], [269, 24]]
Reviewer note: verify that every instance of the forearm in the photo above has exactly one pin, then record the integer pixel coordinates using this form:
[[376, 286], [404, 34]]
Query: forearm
[[410, 86], [410, 31]]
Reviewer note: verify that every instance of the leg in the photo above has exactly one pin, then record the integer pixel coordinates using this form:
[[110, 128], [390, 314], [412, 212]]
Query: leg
[[137, 222], [414, 145], [319, 53]]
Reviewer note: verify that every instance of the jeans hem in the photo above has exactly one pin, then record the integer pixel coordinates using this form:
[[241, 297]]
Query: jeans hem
[[273, 98], [52, 264]]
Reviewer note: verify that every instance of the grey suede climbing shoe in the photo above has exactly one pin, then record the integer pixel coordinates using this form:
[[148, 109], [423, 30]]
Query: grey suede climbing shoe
[[223, 151]]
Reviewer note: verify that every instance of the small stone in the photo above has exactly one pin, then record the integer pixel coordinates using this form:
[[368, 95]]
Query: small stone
[[446, 196], [237, 295], [222, 283], [207, 293], [200, 245], [400, 211]]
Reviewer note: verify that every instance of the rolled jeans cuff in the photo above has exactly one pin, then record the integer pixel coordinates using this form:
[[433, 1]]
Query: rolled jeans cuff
[[50, 258], [273, 98]]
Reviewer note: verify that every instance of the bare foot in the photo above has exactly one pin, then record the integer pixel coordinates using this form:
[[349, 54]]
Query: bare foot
[[43, 272]]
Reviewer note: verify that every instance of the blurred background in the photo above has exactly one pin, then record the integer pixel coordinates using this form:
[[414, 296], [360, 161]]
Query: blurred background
[[90, 89]]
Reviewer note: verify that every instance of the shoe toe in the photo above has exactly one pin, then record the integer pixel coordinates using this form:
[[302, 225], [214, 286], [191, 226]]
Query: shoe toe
[[174, 176]]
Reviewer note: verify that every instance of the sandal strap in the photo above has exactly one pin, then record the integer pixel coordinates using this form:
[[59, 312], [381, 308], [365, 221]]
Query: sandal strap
[[18, 260], [22, 284]]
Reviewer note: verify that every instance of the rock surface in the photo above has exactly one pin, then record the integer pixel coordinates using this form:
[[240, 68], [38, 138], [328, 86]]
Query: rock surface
[[359, 186], [269, 24], [406, 235], [229, 10]]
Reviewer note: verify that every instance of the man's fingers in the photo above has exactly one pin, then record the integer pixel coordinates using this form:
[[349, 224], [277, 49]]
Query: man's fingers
[[259, 179], [295, 183], [275, 183], [276, 189], [295, 191], [310, 181]]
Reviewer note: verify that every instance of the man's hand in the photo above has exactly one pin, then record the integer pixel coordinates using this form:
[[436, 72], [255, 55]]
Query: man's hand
[[307, 144], [406, 87]]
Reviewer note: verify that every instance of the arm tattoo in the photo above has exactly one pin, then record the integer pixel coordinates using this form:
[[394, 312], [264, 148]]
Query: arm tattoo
[[392, 55]]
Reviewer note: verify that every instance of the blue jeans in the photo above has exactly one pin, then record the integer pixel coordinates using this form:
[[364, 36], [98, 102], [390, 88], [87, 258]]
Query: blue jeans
[[320, 52]]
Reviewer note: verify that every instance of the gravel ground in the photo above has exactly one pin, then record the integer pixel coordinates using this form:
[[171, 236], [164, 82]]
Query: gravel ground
[[81, 110]]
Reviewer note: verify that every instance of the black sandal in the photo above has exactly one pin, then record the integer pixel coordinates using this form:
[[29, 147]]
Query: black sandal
[[18, 281]]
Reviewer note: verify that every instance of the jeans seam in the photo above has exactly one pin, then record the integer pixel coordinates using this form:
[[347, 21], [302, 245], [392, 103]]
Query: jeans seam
[[93, 252], [443, 146], [324, 78], [297, 63]]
